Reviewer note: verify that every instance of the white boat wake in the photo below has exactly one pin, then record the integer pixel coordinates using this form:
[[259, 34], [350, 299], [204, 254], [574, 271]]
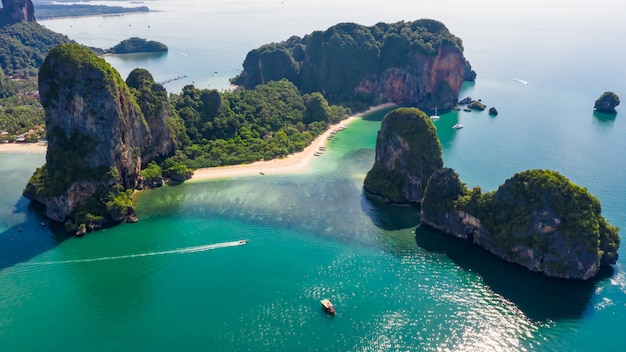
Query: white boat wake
[[194, 249], [521, 81]]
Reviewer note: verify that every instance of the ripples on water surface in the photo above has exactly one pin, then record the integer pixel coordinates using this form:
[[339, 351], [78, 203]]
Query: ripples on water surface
[[150, 286]]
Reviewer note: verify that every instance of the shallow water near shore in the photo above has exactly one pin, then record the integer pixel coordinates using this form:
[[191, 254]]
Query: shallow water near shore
[[178, 280]]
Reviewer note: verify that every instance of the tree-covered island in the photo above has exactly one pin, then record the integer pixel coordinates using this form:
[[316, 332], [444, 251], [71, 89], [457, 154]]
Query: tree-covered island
[[537, 218], [137, 45]]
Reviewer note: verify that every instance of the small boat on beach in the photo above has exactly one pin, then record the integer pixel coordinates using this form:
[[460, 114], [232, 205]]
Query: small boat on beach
[[328, 306], [457, 126]]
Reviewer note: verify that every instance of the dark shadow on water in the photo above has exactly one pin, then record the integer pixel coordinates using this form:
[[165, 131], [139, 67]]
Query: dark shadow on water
[[539, 297], [36, 235], [379, 115], [387, 216], [603, 120]]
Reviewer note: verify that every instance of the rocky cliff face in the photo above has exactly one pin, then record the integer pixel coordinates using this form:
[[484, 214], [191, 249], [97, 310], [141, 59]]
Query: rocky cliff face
[[407, 153], [14, 11], [155, 106], [427, 81], [98, 137], [416, 63], [537, 219]]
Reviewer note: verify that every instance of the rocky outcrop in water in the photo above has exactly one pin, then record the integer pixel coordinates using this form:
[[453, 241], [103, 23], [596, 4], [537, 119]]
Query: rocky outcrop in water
[[14, 11], [98, 140], [537, 219], [607, 102], [407, 153]]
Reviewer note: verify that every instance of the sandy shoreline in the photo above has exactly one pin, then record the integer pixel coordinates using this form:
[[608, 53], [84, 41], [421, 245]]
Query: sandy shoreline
[[290, 164], [31, 148]]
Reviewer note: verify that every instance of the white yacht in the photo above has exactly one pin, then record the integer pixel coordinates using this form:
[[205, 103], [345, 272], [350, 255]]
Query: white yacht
[[435, 116]]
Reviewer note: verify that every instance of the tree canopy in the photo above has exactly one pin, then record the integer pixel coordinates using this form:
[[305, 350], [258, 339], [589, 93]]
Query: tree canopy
[[334, 61], [137, 45], [270, 121]]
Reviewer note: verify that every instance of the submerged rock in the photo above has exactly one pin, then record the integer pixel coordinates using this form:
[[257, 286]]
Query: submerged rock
[[493, 111]]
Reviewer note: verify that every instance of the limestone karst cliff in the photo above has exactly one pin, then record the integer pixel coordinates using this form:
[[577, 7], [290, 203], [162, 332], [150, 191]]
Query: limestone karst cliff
[[417, 63], [537, 219], [407, 153], [98, 139], [14, 11]]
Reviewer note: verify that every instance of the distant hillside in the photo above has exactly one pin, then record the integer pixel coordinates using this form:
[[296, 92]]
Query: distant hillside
[[47, 10], [24, 46]]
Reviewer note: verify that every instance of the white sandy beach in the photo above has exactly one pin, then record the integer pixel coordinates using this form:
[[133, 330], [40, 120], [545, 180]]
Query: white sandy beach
[[290, 164], [33, 148]]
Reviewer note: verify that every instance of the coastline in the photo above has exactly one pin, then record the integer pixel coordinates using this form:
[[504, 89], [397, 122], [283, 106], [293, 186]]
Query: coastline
[[30, 148], [291, 164]]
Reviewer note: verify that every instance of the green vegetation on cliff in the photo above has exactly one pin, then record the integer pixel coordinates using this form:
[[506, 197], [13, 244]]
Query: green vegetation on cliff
[[336, 60], [76, 58], [20, 110], [537, 218], [137, 45], [407, 153]]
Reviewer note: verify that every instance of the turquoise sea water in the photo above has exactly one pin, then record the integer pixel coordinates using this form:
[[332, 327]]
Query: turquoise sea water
[[178, 280]]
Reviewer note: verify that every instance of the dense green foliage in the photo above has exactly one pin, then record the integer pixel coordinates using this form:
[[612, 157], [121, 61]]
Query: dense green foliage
[[336, 60], [533, 196], [20, 110], [152, 173], [47, 11], [137, 45], [153, 100], [410, 135], [77, 58], [271, 121], [107, 205], [442, 190], [24, 46]]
